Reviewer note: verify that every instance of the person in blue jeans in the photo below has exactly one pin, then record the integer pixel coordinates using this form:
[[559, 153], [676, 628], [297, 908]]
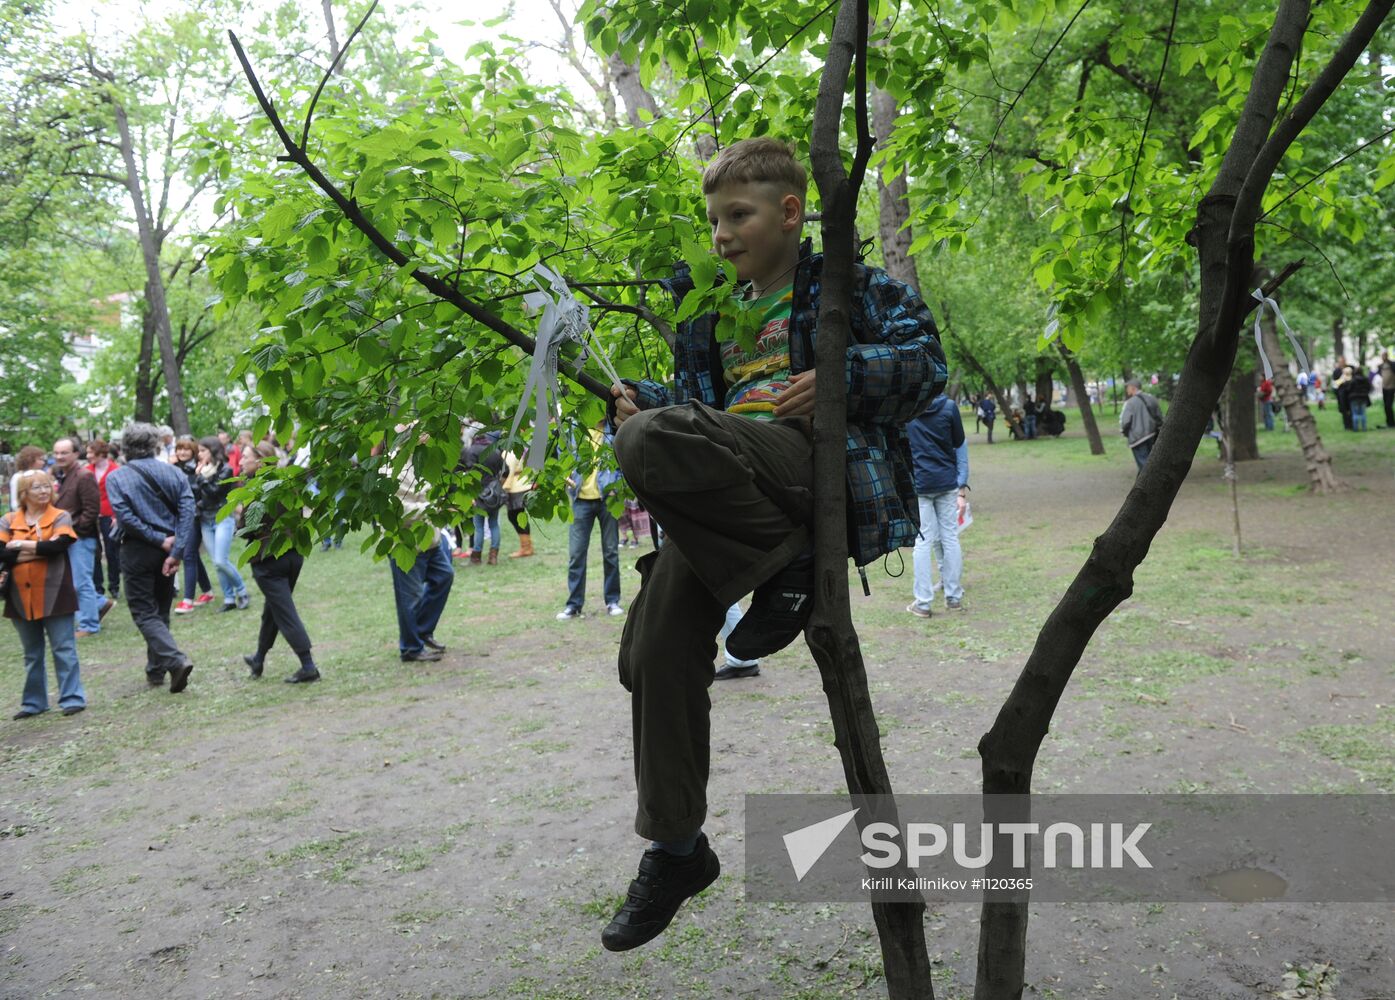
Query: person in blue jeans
[[940, 468], [588, 507], [35, 540], [421, 590], [213, 481]]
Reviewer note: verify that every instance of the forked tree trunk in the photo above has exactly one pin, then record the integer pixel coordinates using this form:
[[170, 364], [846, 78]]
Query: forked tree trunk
[[831, 637], [1224, 238], [1321, 478], [1082, 399], [156, 306]]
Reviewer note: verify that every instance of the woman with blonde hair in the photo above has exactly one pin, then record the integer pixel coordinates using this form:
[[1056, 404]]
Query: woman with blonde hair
[[39, 594]]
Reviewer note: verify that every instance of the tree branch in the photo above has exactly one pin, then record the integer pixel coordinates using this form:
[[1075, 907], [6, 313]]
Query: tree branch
[[310, 111], [296, 154], [643, 312]]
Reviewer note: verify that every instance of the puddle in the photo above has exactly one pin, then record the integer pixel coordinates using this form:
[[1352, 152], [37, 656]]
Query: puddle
[[1246, 885]]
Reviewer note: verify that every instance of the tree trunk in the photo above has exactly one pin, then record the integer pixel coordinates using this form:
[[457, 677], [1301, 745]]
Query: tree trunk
[[1082, 399], [1339, 347], [1224, 238], [893, 200], [155, 303], [145, 379], [326, 6], [1240, 411], [1021, 388], [1045, 381], [1361, 348], [632, 91], [1321, 478], [831, 637]]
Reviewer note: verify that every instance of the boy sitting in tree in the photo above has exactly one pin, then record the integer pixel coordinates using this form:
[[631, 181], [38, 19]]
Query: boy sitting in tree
[[724, 462]]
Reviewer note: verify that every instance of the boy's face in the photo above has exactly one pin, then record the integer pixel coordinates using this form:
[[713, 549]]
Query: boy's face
[[755, 228]]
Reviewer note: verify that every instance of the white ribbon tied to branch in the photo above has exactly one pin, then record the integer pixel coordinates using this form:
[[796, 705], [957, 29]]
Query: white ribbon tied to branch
[[1266, 301], [563, 319]]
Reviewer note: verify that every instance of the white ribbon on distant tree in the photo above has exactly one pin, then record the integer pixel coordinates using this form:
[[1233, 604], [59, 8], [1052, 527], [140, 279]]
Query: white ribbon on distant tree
[[1264, 301], [563, 319]]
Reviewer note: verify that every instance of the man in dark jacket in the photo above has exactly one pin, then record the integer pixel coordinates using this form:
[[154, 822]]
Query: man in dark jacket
[[1140, 421], [75, 490], [941, 470], [155, 509]]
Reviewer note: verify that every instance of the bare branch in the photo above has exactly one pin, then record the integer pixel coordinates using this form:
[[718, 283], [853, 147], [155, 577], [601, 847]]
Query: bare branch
[[310, 111]]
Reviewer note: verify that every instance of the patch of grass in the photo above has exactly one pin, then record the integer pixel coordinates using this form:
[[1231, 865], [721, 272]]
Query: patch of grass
[[1368, 749]]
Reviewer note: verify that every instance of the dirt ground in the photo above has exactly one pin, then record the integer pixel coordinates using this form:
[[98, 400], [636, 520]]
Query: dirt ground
[[464, 829]]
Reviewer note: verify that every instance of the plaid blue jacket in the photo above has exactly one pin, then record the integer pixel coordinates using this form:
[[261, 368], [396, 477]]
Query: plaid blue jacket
[[895, 366]]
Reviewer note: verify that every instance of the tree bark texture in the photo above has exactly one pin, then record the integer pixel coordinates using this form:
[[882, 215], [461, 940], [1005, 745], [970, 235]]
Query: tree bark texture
[[830, 635], [1240, 410], [1224, 238], [145, 378], [893, 201], [1321, 478], [632, 91], [156, 306], [1082, 399], [1339, 348], [333, 36]]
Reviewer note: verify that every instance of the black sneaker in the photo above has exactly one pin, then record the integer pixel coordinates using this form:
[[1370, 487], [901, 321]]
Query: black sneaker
[[664, 882], [254, 664], [780, 608], [430, 642], [732, 671], [305, 675]]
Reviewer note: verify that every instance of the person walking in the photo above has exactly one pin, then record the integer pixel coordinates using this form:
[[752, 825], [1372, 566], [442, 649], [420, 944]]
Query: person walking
[[213, 481], [75, 490], [420, 592], [39, 594], [588, 495], [1139, 421], [483, 454], [101, 465], [990, 413], [940, 469], [1266, 402], [1387, 387], [195, 576], [154, 509], [276, 577], [518, 483]]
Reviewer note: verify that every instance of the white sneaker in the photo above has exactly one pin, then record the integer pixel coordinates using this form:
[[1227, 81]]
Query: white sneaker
[[567, 614], [917, 610], [614, 610]]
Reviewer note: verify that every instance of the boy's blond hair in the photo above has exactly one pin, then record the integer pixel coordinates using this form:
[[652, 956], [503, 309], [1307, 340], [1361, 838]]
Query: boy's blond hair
[[762, 161]]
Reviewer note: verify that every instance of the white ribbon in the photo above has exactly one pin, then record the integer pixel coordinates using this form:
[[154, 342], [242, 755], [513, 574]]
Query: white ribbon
[[563, 319], [1264, 300]]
